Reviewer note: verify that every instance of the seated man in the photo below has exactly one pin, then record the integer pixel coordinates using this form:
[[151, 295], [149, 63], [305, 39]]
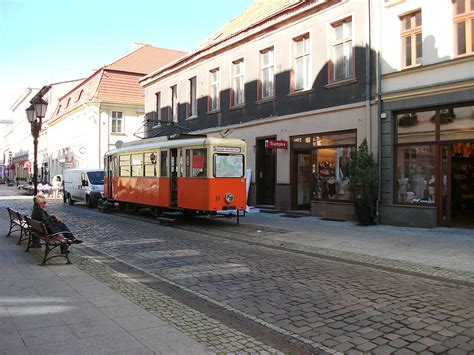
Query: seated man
[[52, 223]]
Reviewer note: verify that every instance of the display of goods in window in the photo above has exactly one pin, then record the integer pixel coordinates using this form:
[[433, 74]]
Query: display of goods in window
[[407, 120]]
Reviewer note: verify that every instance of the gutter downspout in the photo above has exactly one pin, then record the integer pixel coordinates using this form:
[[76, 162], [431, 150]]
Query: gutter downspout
[[368, 73], [368, 96], [378, 91]]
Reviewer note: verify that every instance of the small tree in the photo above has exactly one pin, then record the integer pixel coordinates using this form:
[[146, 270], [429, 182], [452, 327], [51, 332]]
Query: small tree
[[363, 183]]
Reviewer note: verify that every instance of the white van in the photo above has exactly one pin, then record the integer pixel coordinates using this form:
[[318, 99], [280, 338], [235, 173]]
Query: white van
[[83, 185]]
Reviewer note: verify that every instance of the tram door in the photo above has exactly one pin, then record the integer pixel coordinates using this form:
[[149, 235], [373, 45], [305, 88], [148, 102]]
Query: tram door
[[109, 173], [173, 177]]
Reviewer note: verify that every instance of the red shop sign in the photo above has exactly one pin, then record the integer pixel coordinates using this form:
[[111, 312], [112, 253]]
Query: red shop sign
[[276, 144]]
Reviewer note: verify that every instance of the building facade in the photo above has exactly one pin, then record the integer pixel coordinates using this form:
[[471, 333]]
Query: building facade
[[18, 144], [103, 110], [427, 113], [296, 82]]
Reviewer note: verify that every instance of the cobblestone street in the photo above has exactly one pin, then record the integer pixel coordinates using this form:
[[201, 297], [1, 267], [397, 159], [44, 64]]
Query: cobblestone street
[[313, 303]]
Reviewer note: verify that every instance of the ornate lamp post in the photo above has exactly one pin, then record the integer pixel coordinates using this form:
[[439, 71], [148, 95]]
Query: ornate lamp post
[[35, 114]]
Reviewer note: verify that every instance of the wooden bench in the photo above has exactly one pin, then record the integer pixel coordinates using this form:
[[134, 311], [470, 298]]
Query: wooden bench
[[51, 242], [18, 224]]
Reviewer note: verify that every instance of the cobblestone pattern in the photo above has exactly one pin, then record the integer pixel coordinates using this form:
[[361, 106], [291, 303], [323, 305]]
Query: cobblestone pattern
[[348, 308], [207, 331], [406, 266]]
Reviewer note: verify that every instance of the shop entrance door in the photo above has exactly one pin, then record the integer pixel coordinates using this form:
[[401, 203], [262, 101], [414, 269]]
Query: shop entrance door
[[444, 187], [303, 184], [266, 173], [456, 185]]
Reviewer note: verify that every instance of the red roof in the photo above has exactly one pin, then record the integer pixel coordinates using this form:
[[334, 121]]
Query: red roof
[[118, 82], [145, 59]]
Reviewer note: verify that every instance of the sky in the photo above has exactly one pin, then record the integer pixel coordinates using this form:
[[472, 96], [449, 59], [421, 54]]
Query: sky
[[48, 41]]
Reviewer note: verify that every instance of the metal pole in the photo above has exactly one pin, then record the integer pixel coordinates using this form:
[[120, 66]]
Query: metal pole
[[35, 132]]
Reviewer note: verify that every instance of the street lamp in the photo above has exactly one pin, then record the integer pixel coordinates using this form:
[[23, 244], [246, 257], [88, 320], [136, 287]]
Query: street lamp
[[35, 114]]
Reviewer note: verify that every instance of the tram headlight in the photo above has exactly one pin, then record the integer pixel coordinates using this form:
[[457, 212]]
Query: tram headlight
[[229, 197]]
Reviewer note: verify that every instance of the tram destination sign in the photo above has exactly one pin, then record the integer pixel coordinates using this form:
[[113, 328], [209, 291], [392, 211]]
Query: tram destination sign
[[228, 149], [276, 144]]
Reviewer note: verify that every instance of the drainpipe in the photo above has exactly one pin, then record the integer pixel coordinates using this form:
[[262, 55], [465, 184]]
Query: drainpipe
[[368, 72], [378, 90]]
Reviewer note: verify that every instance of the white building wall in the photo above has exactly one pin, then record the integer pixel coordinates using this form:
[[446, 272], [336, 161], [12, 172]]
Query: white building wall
[[438, 47]]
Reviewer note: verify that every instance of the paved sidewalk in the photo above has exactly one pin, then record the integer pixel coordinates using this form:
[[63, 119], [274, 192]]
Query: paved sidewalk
[[61, 309]]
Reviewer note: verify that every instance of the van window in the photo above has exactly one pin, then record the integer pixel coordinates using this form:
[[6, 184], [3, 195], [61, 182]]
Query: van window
[[96, 177]]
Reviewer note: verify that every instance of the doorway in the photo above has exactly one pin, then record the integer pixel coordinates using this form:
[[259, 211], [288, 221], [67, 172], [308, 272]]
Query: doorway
[[266, 172], [173, 177], [456, 186], [303, 180]]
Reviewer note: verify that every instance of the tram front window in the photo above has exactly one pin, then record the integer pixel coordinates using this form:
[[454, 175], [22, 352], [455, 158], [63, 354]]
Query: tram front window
[[227, 165]]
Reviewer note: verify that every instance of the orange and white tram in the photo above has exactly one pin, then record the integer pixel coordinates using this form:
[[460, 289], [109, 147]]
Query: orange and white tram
[[195, 175]]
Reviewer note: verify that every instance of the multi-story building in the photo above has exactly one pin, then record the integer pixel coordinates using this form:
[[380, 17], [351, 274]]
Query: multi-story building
[[295, 80], [17, 140], [427, 112], [104, 109]]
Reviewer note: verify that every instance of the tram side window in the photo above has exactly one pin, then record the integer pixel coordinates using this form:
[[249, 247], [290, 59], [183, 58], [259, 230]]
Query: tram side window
[[124, 161], [137, 164], [228, 165], [199, 163], [188, 163], [164, 163], [150, 164], [115, 166]]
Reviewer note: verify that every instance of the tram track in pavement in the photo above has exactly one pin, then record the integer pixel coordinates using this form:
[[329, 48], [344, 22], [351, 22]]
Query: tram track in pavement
[[222, 228], [269, 334]]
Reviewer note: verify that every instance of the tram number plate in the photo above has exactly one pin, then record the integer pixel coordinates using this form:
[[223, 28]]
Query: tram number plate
[[225, 208]]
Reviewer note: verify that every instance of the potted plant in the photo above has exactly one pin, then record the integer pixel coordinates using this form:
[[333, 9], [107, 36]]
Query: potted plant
[[363, 183]]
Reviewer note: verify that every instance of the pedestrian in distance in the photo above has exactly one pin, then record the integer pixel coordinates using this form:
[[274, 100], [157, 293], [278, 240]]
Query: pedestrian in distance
[[57, 184], [52, 223]]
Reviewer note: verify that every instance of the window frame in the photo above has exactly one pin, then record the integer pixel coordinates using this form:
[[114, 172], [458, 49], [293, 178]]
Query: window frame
[[114, 120], [305, 56], [412, 34], [157, 108], [192, 92], [466, 17], [214, 87], [173, 112], [122, 160], [237, 78], [164, 163], [349, 63], [215, 165], [262, 68]]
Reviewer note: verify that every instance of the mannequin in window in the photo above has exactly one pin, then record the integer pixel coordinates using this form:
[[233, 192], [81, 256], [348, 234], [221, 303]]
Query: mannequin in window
[[344, 164], [402, 188], [420, 183], [431, 187]]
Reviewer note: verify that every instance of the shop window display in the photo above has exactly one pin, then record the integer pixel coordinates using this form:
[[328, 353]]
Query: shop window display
[[331, 175], [329, 155], [415, 179]]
